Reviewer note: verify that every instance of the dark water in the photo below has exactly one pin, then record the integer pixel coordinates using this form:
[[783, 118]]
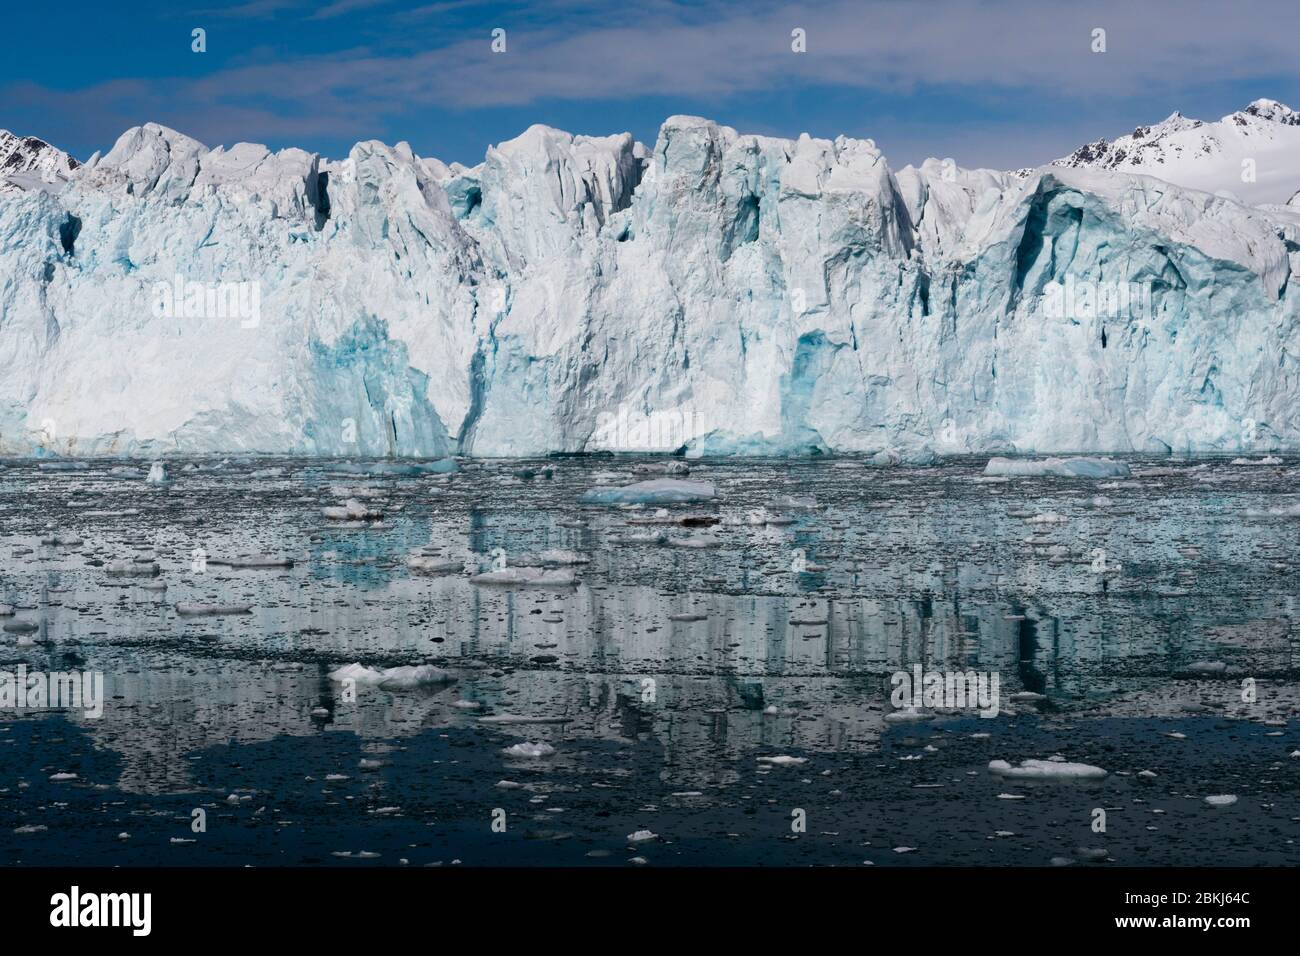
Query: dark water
[[657, 724]]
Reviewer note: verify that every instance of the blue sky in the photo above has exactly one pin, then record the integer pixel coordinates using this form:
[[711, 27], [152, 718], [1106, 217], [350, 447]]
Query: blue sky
[[997, 84]]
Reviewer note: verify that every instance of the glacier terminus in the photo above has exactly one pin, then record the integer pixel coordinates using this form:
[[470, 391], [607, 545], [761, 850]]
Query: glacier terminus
[[715, 294]]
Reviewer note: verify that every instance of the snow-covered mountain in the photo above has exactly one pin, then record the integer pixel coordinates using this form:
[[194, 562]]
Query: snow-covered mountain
[[29, 163], [1252, 155], [721, 292]]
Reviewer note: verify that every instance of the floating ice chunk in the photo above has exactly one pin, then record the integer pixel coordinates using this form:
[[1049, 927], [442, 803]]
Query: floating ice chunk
[[1221, 800], [783, 761], [266, 473], [688, 616], [1270, 460], [662, 468], [21, 627], [63, 465], [134, 569], [642, 836], [530, 750], [528, 577], [393, 678], [1207, 667], [62, 540], [252, 561], [409, 677], [1057, 467], [907, 715], [352, 510], [657, 491], [1047, 770], [125, 472], [696, 541], [211, 610], [640, 537], [157, 474], [562, 556], [444, 466], [1048, 517], [427, 564], [1288, 511], [6, 610], [796, 502]]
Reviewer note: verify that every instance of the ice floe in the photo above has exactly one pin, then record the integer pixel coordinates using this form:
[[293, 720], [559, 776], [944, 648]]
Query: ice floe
[[527, 577], [657, 491], [1056, 467], [530, 751], [189, 609], [1047, 770], [393, 678]]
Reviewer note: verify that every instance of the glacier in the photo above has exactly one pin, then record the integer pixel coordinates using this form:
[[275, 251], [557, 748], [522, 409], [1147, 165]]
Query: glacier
[[715, 294]]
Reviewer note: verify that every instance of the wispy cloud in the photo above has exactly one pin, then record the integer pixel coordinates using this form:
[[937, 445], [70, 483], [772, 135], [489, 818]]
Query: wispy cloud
[[584, 51]]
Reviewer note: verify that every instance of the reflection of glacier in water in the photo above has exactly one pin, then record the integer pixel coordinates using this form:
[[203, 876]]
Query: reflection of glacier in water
[[1142, 625]]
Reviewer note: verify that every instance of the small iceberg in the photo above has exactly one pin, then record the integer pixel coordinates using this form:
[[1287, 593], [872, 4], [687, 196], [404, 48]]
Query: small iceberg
[[662, 468], [783, 760], [252, 561], [795, 503], [134, 569], [529, 750], [187, 609], [696, 541], [640, 537], [157, 474], [1049, 517], [429, 564], [1047, 770], [352, 510], [527, 577], [393, 678], [657, 491], [1056, 468], [562, 556], [1221, 800]]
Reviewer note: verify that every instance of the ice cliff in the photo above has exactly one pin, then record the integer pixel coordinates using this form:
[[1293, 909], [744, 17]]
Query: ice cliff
[[721, 293]]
